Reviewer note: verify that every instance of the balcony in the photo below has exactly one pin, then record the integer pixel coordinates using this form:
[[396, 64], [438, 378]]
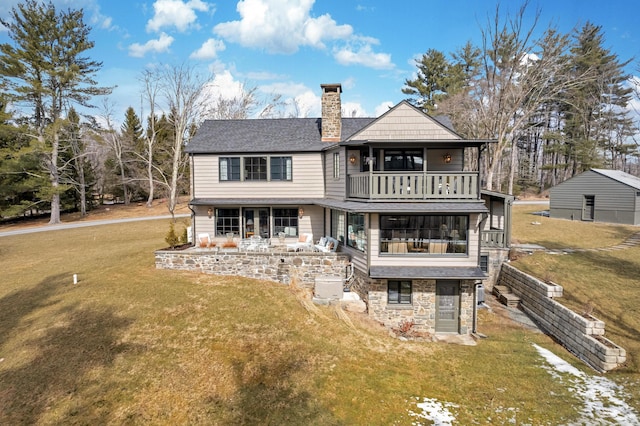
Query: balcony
[[413, 186], [493, 238]]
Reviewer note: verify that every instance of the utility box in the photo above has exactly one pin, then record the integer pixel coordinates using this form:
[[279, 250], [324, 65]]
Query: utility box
[[330, 287], [480, 294]]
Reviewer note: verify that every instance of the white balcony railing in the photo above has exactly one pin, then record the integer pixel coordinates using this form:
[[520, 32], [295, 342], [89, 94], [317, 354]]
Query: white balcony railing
[[413, 186]]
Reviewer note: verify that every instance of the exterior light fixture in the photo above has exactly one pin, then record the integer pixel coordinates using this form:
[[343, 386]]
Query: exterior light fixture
[[446, 158], [300, 212], [209, 212], [352, 159]]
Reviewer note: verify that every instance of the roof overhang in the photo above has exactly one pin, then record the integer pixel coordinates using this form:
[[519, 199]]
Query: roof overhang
[[250, 201], [352, 206], [426, 272], [406, 207], [431, 142]]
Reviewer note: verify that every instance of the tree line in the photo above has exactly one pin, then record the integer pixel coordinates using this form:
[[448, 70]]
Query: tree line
[[53, 157], [557, 104]]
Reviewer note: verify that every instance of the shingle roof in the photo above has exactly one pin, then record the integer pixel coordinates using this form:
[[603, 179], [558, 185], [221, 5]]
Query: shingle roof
[[266, 135], [451, 207], [426, 272], [620, 176]]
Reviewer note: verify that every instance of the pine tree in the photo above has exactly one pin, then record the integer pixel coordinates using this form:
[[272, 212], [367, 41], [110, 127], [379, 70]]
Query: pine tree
[[45, 68], [595, 107]]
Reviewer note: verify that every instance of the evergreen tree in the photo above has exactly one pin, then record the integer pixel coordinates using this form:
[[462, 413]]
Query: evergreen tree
[[20, 177], [593, 109], [45, 68]]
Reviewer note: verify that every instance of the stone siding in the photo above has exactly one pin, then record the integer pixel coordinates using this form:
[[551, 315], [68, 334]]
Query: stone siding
[[280, 267], [497, 256], [583, 335], [423, 307]]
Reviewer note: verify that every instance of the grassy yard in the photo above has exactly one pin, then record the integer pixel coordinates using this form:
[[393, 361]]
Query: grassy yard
[[130, 344], [605, 283]]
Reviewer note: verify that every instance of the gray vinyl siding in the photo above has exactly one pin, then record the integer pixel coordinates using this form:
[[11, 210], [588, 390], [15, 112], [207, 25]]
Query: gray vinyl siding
[[307, 180], [335, 188], [615, 202]]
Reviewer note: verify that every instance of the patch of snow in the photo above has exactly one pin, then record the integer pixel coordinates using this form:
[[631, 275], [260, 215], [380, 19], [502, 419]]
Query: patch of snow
[[603, 403], [437, 412]]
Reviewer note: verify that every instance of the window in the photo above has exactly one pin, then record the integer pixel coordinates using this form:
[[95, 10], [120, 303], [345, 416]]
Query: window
[[336, 165], [338, 225], [280, 168], [399, 292], [403, 160], [285, 220], [255, 168], [357, 237], [484, 262], [229, 168], [227, 220], [423, 234]]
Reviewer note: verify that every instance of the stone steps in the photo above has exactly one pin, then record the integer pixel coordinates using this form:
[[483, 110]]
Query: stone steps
[[505, 296]]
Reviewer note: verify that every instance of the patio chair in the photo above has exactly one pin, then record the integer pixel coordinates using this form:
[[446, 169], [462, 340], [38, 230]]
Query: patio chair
[[305, 242], [204, 240]]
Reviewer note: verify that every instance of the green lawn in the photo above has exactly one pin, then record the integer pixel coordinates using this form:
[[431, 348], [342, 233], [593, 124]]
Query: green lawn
[[605, 283], [130, 344]]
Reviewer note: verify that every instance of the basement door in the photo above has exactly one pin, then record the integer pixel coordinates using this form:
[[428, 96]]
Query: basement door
[[447, 306]]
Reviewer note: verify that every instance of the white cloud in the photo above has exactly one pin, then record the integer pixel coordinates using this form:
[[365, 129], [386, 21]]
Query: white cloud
[[162, 44], [281, 26], [383, 107], [364, 56], [175, 13], [106, 23], [299, 99], [353, 109], [208, 50], [225, 86]]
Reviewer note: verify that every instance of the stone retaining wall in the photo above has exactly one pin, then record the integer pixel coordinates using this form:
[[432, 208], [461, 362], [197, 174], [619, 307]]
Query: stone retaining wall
[[274, 266], [583, 335]]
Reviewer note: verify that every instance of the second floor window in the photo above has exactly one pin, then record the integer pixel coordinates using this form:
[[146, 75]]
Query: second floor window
[[255, 168], [280, 168], [336, 166], [229, 168]]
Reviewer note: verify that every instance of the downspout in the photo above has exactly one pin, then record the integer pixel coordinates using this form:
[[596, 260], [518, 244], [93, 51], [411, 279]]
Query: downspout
[[474, 327], [193, 212]]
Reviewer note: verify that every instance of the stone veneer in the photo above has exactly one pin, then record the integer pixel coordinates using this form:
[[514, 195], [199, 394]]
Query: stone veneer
[[278, 266], [331, 113], [497, 256], [423, 305], [583, 335]]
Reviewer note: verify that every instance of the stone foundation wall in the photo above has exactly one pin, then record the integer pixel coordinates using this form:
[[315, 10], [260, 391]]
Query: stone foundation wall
[[583, 335], [423, 307], [497, 256], [274, 266]]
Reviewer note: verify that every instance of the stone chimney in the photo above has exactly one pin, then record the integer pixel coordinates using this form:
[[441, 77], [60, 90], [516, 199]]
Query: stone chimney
[[331, 112]]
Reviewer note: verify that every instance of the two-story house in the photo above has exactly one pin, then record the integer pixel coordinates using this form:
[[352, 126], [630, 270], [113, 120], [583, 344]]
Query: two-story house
[[400, 192]]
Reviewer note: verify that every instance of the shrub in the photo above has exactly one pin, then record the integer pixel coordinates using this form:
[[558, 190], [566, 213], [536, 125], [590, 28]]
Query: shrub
[[172, 238], [184, 237]]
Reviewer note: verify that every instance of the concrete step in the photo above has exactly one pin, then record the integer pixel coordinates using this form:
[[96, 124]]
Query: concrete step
[[505, 296]]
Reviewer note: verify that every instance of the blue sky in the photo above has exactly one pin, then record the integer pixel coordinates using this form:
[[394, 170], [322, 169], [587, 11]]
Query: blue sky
[[290, 47]]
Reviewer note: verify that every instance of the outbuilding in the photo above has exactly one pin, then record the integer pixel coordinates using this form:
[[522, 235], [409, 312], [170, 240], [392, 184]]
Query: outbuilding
[[598, 195]]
